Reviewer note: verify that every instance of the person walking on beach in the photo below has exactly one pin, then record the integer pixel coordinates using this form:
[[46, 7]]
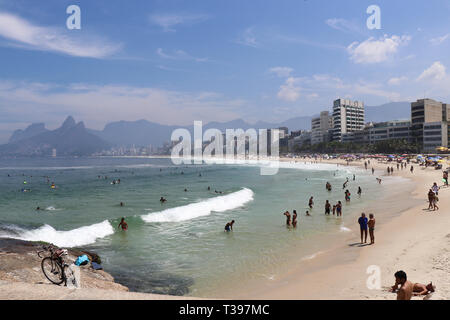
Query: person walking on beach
[[365, 165], [430, 199], [373, 170], [123, 224], [371, 225], [445, 177], [412, 169], [288, 218], [363, 227], [405, 291], [327, 207], [435, 188], [229, 226], [294, 219], [311, 202], [359, 191], [388, 170]]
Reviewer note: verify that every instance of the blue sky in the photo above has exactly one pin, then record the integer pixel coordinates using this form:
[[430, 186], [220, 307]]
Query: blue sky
[[174, 62]]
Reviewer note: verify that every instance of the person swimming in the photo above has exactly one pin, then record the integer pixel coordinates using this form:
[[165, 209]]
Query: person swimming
[[162, 200], [123, 224], [121, 204], [229, 226]]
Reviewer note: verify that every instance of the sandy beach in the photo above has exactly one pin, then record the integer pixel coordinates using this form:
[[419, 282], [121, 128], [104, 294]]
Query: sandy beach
[[416, 242]]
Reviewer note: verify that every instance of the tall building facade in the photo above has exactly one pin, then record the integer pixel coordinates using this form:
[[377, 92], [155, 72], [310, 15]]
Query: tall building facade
[[320, 127], [429, 120], [348, 117]]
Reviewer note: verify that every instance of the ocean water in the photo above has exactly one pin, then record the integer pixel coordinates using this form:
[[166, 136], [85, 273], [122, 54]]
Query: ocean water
[[180, 247]]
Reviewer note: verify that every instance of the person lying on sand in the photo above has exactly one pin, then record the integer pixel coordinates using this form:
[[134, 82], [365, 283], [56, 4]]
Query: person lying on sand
[[422, 290]]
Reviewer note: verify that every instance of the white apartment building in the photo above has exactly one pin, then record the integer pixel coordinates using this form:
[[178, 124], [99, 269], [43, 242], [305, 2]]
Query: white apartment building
[[348, 117]]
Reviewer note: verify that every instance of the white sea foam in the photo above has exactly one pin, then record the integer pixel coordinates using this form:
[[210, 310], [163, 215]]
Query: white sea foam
[[204, 208], [312, 256], [344, 229], [72, 238]]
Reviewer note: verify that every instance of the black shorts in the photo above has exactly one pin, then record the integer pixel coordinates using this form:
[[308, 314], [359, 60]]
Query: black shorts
[[327, 210]]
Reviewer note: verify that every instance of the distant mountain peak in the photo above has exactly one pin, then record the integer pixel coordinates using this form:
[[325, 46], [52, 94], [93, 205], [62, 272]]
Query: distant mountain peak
[[68, 123]]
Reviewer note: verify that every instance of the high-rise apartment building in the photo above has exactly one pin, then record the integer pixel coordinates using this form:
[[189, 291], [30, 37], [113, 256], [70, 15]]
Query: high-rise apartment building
[[348, 117], [320, 127], [429, 120]]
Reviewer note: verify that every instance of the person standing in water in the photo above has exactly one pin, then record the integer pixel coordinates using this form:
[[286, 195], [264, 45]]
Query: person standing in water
[[339, 209], [123, 224], [311, 202], [288, 218], [359, 191], [229, 226], [294, 219], [327, 207]]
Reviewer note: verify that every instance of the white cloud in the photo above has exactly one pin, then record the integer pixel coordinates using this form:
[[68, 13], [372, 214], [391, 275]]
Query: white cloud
[[169, 21], [289, 91], [397, 80], [439, 40], [343, 25], [435, 72], [178, 55], [375, 51], [281, 72], [248, 38], [26, 35]]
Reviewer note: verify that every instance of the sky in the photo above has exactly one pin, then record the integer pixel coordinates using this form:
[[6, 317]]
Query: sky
[[174, 62]]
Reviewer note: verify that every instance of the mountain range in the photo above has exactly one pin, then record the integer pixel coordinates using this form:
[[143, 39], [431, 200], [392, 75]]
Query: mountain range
[[75, 139]]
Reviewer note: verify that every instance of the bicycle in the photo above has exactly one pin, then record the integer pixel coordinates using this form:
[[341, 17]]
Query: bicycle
[[54, 267]]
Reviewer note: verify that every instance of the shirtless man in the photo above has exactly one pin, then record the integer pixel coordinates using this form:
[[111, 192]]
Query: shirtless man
[[405, 291], [288, 218], [422, 290], [229, 226], [327, 207]]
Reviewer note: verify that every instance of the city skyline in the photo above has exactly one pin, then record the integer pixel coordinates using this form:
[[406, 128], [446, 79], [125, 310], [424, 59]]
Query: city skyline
[[173, 62]]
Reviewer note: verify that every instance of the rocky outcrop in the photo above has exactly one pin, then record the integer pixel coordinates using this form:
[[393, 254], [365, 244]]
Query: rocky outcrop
[[19, 262]]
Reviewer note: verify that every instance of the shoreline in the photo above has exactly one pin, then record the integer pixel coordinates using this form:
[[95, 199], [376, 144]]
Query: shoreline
[[415, 241]]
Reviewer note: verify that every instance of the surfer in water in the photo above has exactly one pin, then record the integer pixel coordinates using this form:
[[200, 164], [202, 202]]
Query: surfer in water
[[123, 224], [229, 226]]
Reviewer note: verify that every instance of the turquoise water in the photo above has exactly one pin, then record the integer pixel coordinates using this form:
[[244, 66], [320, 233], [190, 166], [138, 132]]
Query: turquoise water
[[178, 247]]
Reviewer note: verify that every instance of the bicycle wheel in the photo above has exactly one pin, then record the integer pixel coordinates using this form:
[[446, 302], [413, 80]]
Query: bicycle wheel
[[52, 270]]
